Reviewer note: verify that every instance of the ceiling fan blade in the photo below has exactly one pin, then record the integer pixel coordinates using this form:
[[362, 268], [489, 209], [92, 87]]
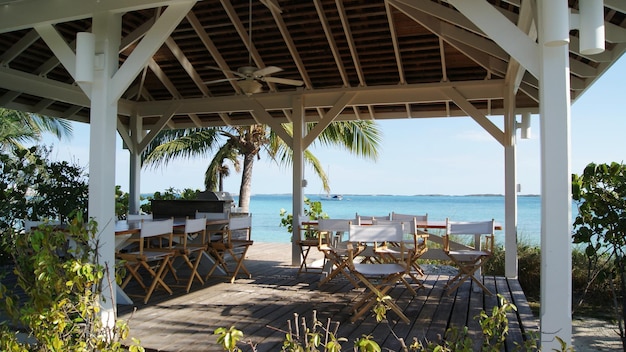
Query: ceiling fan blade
[[222, 80], [226, 71], [267, 71], [291, 82]]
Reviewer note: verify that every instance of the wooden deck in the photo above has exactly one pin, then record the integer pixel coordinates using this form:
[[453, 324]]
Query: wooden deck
[[186, 321]]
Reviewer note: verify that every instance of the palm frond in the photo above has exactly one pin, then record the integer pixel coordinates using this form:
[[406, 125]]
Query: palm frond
[[189, 143], [18, 127], [212, 174], [361, 138]]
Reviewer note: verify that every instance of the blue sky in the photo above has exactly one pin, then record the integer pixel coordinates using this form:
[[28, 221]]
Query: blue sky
[[419, 156]]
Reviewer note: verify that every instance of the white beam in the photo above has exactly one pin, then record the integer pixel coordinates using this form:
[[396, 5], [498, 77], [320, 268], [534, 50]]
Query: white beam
[[155, 129], [146, 48], [265, 118], [62, 51], [42, 87], [476, 114], [501, 31], [328, 118], [26, 14], [381, 95]]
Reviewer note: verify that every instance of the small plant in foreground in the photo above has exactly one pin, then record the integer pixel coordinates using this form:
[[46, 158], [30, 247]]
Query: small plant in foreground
[[62, 285], [301, 337]]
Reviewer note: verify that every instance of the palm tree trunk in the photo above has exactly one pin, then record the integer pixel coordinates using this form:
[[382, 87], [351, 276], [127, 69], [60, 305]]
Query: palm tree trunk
[[246, 182]]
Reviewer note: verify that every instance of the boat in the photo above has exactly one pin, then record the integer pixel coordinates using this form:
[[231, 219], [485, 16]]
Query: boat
[[332, 197]]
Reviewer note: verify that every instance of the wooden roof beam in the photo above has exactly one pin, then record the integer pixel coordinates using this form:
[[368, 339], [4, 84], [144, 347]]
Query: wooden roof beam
[[394, 42], [348, 33], [332, 43]]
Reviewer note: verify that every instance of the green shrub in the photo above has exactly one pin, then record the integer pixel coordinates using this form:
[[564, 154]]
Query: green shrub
[[170, 194], [62, 286], [31, 187]]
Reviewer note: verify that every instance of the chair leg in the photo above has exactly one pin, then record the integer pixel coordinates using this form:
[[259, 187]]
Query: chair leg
[[157, 278], [240, 265], [219, 261], [340, 267], [377, 291], [133, 272], [466, 271], [194, 270], [304, 253]]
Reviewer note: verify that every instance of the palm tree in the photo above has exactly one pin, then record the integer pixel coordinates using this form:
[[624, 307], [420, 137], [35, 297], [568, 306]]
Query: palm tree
[[18, 127], [359, 137]]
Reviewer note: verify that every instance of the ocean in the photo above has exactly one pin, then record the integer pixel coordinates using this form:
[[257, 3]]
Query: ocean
[[266, 218]]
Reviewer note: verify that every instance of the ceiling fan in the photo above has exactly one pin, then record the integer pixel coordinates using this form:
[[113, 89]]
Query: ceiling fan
[[248, 78]]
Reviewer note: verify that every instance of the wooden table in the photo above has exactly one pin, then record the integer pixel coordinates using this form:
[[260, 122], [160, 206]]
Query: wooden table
[[431, 224]]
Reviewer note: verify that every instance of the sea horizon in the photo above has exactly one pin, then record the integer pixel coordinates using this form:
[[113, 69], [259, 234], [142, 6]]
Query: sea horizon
[[266, 209]]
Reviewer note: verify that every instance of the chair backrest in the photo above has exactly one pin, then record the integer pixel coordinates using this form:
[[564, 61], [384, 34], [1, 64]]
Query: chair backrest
[[138, 217], [240, 223], [333, 230], [408, 225], [409, 217], [156, 227], [470, 227], [367, 219], [390, 232], [212, 216], [334, 225], [195, 225], [240, 227]]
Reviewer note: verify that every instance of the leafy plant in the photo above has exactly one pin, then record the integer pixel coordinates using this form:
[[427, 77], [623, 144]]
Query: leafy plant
[[63, 287], [170, 194], [121, 203], [31, 187], [62, 191], [600, 193], [312, 210]]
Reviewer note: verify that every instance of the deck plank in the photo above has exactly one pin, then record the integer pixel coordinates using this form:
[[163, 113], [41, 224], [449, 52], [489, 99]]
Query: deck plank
[[186, 321]]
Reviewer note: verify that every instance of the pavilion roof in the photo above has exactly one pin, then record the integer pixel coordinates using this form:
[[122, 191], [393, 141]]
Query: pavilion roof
[[389, 59]]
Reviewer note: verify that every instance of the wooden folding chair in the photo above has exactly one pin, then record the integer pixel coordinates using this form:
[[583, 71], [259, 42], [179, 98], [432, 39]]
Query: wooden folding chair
[[418, 232], [235, 241], [308, 237], [469, 260], [378, 278], [332, 244], [156, 261], [414, 243], [192, 244]]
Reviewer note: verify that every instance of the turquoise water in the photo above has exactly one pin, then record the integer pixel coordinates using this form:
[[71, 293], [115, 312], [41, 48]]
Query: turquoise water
[[265, 211]]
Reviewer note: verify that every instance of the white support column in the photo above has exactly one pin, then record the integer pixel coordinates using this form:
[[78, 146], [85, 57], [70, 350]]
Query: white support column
[[107, 28], [556, 213], [510, 187], [510, 212], [134, 193], [299, 130]]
